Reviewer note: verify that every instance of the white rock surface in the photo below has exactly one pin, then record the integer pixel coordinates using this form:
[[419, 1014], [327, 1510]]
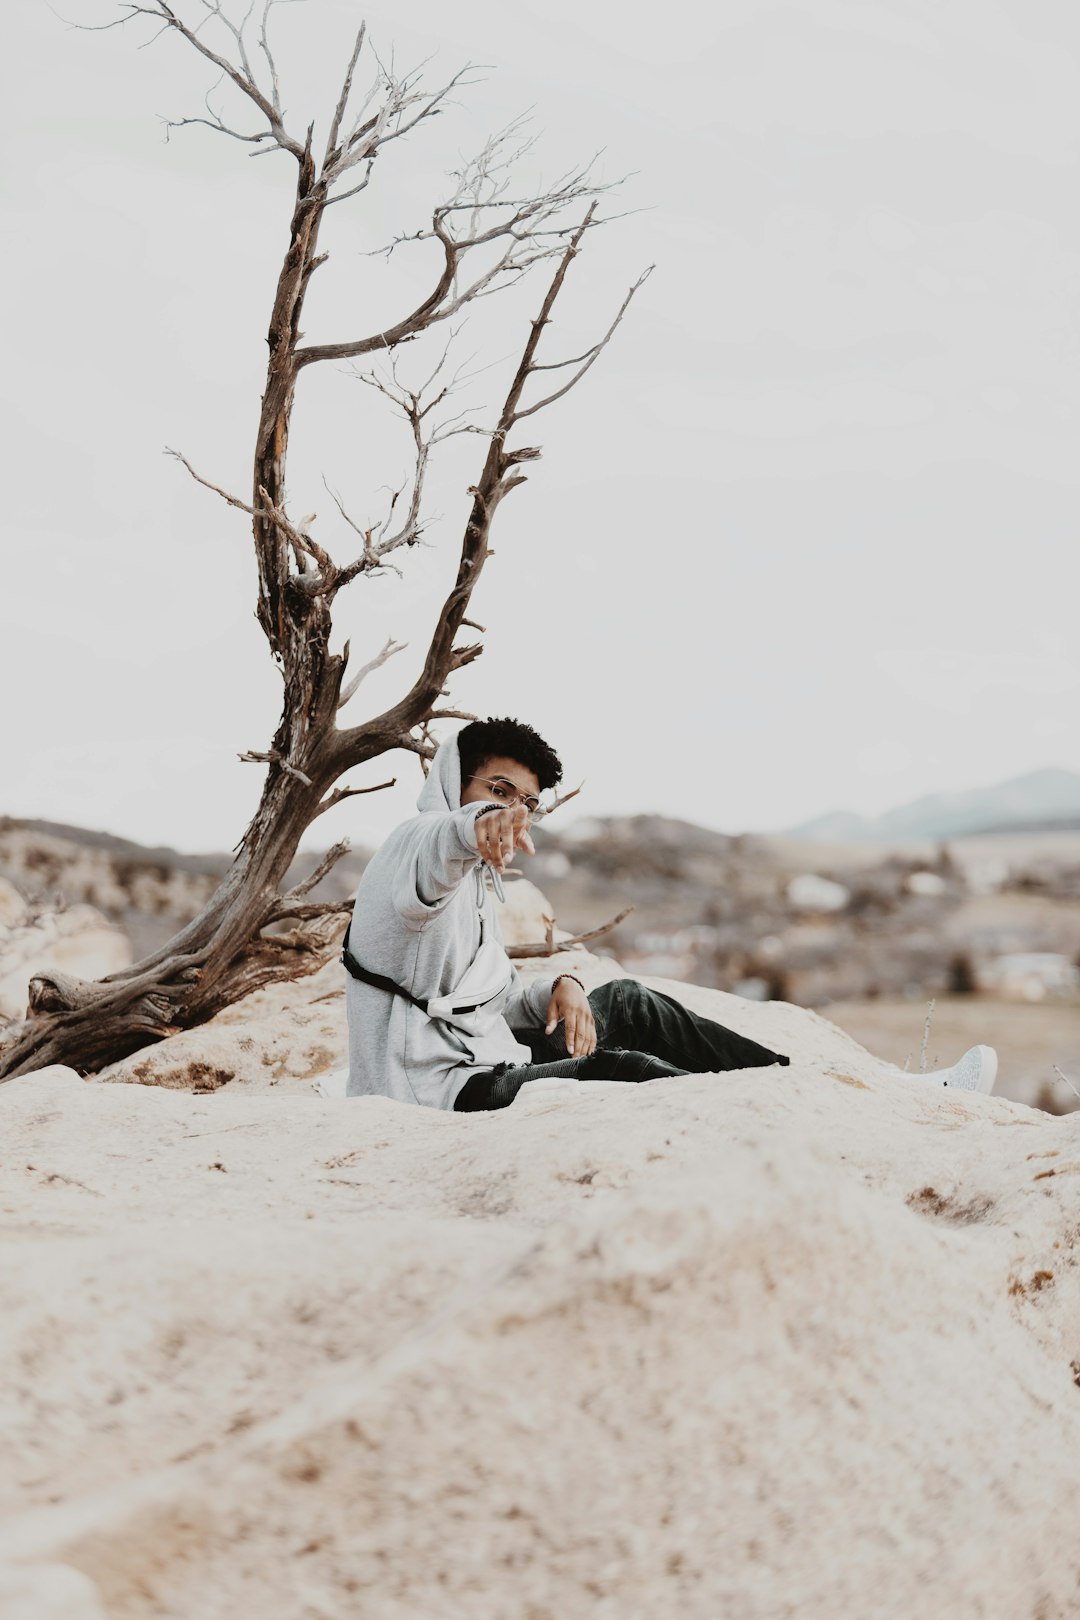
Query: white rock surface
[[12, 905], [78, 941], [48, 1592], [796, 1342], [810, 892], [523, 916], [286, 1035], [925, 884]]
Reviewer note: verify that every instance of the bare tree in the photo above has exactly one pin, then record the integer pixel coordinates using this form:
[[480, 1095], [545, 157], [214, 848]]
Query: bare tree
[[485, 235]]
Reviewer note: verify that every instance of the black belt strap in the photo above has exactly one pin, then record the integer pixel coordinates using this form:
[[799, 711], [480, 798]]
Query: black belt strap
[[379, 981]]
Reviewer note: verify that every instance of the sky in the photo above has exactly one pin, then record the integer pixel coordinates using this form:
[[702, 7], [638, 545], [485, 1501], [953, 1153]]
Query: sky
[[803, 539]]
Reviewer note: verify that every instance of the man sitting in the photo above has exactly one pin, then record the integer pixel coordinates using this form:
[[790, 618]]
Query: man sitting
[[437, 1013]]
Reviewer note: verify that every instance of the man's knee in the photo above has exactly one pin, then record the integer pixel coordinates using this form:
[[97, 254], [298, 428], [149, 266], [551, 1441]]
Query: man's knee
[[632, 997], [617, 993], [619, 1008]]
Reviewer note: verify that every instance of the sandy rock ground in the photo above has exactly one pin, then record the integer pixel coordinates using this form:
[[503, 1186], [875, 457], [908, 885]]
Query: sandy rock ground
[[793, 1343], [281, 1037], [79, 941], [12, 905], [289, 1036]]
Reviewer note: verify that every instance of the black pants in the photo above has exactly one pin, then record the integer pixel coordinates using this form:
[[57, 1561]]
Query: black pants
[[641, 1035]]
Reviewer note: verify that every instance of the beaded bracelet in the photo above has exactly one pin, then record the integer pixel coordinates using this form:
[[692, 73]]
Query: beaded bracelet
[[573, 976]]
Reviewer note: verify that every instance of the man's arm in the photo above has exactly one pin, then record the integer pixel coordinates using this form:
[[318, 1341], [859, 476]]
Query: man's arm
[[436, 850], [527, 1007], [546, 1003], [439, 848]]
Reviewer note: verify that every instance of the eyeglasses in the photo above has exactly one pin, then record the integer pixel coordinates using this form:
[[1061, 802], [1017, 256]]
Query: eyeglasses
[[507, 793]]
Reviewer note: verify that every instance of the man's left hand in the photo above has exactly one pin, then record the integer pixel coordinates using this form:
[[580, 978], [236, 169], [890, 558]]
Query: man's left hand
[[570, 1005]]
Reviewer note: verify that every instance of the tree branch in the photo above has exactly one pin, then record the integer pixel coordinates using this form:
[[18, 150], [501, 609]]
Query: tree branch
[[487, 235], [368, 136], [591, 355], [350, 793], [528, 233], [416, 405], [241, 76], [264, 46], [346, 91], [308, 913], [416, 745], [273, 757], [557, 803], [391, 647], [230, 500], [496, 480], [324, 577], [325, 865]]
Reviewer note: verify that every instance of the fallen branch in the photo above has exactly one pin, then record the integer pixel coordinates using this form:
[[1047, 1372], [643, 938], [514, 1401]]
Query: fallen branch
[[551, 946]]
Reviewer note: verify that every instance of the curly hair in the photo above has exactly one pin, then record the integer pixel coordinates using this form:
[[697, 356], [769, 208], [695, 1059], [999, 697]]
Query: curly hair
[[482, 740]]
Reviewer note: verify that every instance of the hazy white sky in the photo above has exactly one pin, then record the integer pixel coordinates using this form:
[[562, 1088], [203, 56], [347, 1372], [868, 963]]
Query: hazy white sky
[[804, 538]]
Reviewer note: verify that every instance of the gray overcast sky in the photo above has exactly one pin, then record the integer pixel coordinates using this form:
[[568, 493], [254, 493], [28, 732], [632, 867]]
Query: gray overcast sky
[[804, 538]]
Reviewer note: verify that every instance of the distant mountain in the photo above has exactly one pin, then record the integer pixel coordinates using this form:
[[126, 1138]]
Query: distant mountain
[[1038, 801], [122, 848]]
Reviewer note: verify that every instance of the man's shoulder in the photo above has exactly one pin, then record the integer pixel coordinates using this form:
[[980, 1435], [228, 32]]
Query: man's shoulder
[[408, 837], [423, 825]]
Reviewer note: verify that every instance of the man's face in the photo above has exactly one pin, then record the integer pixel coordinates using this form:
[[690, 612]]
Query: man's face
[[501, 781]]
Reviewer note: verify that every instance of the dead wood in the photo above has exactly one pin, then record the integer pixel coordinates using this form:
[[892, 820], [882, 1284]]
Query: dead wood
[[485, 235], [550, 946]]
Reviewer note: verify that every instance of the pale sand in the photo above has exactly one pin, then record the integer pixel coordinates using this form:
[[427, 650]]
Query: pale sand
[[786, 1343]]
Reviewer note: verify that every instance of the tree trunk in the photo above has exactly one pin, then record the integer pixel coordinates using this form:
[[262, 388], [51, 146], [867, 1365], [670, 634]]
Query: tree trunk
[[225, 953]]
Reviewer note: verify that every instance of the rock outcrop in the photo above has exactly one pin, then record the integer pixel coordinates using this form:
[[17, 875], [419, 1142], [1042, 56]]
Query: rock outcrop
[[78, 941], [797, 1342]]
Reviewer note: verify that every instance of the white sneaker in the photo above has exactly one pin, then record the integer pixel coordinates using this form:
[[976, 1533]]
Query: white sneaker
[[975, 1071]]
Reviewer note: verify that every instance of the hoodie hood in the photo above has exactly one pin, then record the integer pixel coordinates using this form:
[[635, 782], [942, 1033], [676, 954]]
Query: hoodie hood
[[442, 785]]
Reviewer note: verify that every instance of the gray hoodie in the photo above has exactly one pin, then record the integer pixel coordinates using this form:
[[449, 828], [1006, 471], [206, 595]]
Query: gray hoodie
[[417, 919]]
